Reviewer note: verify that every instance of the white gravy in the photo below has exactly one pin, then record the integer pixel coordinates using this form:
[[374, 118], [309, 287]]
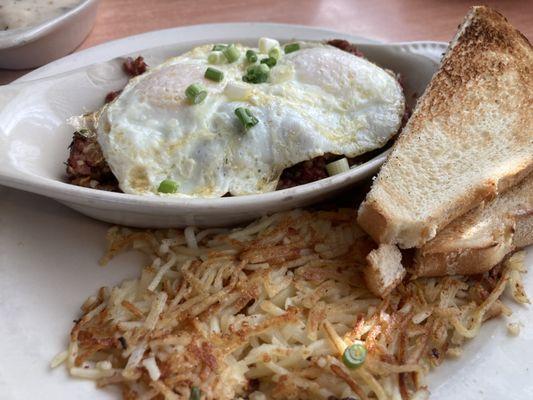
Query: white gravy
[[23, 13]]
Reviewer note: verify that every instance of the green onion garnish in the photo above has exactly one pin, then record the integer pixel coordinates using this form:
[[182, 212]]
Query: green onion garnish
[[195, 393], [219, 47], [214, 74], [232, 53], [216, 57], [274, 53], [338, 167], [270, 61], [237, 91], [256, 73], [168, 186], [251, 56], [292, 48], [246, 117], [266, 44], [195, 93], [354, 356]]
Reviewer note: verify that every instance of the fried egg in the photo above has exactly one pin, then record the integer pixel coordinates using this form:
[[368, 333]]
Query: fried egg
[[317, 100]]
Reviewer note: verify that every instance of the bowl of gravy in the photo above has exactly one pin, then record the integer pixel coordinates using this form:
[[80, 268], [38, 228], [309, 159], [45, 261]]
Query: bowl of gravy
[[35, 32]]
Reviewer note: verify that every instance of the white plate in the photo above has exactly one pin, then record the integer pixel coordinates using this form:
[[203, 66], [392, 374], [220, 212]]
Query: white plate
[[34, 136], [48, 266]]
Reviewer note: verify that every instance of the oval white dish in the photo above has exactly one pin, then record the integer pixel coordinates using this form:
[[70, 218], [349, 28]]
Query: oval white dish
[[39, 44], [34, 136]]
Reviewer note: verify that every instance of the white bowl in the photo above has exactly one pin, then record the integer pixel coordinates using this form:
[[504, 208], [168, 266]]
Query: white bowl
[[34, 136], [37, 45]]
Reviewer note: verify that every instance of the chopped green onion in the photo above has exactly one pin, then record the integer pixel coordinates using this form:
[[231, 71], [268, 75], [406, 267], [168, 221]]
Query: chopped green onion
[[270, 61], [237, 90], [195, 93], [275, 53], [292, 47], [338, 167], [265, 44], [168, 186], [195, 393], [219, 47], [282, 73], [257, 73], [246, 117], [216, 57], [232, 53], [251, 56], [214, 74], [354, 355]]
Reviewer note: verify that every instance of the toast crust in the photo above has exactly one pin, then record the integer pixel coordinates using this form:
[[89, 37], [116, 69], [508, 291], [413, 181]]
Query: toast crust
[[479, 240], [486, 46], [374, 221], [474, 259], [384, 270], [523, 235], [477, 259]]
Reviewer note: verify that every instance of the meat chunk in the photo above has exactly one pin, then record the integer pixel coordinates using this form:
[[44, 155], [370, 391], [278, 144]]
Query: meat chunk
[[112, 96], [315, 169], [345, 46], [86, 165], [135, 67], [132, 67], [304, 172]]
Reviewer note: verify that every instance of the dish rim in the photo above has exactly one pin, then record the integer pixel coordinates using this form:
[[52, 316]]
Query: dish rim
[[61, 190], [68, 191]]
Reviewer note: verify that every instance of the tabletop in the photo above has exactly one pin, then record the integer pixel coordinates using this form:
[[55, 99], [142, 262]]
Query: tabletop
[[388, 20]]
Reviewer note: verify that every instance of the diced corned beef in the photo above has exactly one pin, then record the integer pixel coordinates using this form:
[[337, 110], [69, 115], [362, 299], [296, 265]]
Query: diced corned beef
[[132, 67], [86, 165], [112, 96], [346, 46], [303, 172], [135, 67]]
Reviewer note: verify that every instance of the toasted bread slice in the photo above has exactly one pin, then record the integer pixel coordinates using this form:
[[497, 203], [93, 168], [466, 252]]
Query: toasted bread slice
[[479, 240], [384, 270], [523, 234], [470, 136]]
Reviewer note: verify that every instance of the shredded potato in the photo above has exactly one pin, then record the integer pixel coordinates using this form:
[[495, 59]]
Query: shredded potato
[[265, 312]]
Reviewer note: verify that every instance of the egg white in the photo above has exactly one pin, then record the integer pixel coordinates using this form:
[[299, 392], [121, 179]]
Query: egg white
[[318, 100]]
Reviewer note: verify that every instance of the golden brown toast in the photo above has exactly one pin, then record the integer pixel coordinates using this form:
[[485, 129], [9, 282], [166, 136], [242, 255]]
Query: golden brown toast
[[479, 240], [384, 269], [470, 136]]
